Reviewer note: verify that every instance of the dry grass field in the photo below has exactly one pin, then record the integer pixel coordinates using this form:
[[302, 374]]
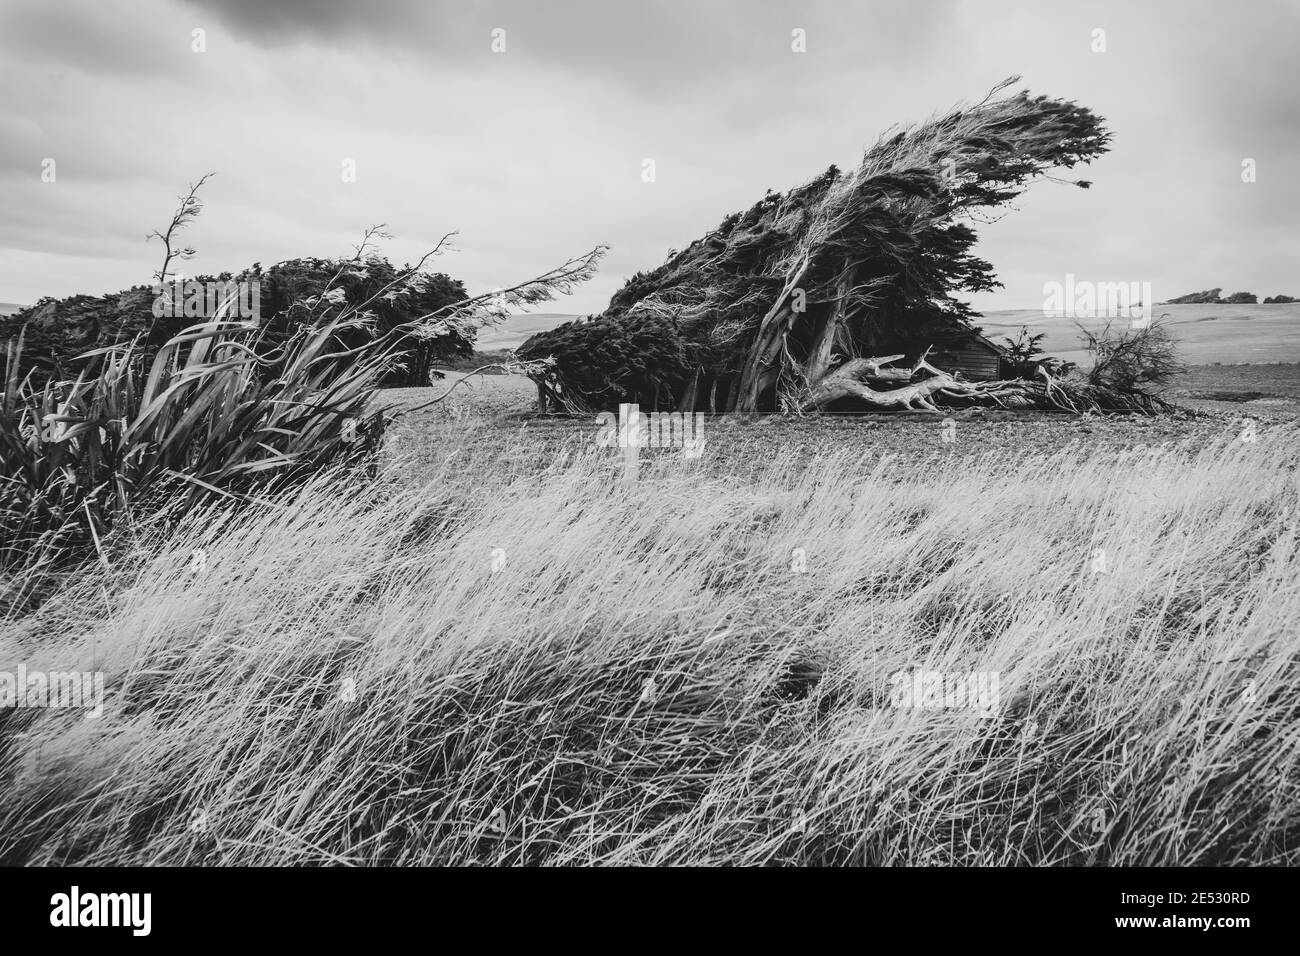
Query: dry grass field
[[1270, 390], [499, 651]]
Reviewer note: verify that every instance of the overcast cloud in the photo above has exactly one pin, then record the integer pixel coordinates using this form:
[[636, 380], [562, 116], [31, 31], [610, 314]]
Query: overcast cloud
[[535, 154]]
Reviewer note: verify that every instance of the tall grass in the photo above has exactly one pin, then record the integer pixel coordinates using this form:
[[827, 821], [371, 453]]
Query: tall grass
[[642, 674], [217, 411], [225, 407]]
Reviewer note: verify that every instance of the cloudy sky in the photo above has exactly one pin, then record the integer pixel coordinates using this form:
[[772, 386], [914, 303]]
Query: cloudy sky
[[535, 154]]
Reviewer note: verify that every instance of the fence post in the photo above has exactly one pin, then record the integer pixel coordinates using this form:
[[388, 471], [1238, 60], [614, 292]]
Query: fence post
[[629, 426]]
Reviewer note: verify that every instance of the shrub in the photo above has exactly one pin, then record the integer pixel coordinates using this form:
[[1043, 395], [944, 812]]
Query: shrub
[[60, 331], [226, 408], [599, 362], [211, 416], [1132, 360]]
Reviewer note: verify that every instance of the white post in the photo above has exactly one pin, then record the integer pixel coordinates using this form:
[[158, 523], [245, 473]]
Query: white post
[[629, 420]]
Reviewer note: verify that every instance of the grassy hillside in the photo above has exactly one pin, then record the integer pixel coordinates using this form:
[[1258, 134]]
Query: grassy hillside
[[1205, 333]]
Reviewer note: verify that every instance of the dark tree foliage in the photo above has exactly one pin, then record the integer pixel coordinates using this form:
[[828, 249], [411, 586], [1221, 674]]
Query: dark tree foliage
[[613, 358], [778, 297], [288, 288], [59, 331]]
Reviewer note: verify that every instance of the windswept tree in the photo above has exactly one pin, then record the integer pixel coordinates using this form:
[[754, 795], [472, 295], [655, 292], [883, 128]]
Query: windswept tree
[[788, 304]]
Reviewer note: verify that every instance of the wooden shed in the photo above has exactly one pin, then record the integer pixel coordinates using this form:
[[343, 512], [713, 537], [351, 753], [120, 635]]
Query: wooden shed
[[971, 354]]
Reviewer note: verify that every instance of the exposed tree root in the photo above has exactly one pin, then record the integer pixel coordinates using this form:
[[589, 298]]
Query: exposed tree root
[[854, 379]]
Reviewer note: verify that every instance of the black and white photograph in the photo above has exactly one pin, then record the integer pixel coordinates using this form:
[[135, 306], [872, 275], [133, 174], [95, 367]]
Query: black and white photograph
[[444, 434]]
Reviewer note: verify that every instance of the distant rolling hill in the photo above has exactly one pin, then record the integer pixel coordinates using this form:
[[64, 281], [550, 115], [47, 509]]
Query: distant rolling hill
[[1205, 333], [511, 333]]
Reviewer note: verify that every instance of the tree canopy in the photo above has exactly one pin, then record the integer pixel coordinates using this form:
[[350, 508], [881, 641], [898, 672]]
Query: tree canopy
[[58, 331], [762, 311]]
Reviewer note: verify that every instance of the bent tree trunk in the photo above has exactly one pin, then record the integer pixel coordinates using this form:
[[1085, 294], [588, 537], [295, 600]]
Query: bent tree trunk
[[855, 377], [763, 365]]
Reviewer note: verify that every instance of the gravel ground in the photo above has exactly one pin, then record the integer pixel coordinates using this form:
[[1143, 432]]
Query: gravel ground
[[487, 422]]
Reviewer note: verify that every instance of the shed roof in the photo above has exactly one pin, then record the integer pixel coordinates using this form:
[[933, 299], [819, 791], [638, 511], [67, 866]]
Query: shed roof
[[966, 331]]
